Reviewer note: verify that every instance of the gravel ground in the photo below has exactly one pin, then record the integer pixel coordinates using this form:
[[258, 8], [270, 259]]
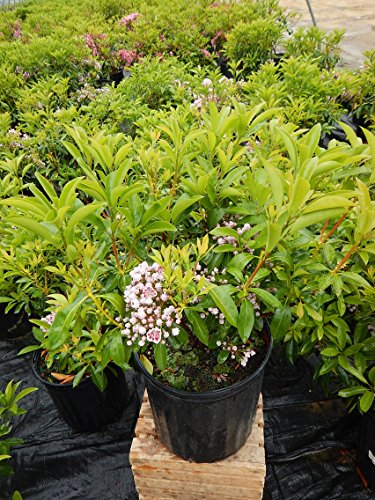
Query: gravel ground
[[357, 17]]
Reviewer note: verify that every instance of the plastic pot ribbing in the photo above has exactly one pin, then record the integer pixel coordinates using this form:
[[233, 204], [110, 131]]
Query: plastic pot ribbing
[[207, 426], [85, 407]]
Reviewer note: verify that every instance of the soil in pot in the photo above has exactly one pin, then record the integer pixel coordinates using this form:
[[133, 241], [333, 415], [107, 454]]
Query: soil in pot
[[13, 326], [85, 408], [211, 425]]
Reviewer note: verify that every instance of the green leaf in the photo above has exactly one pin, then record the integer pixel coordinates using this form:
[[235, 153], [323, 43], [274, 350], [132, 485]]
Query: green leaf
[[160, 355], [116, 300], [366, 401], [147, 364], [155, 209], [328, 366], [273, 236], [224, 231], [330, 351], [182, 203], [79, 376], [136, 209], [344, 362], [200, 329], [281, 322], [246, 320], [47, 186], [17, 495], [80, 215], [238, 263], [328, 202], [267, 297], [29, 348], [64, 319], [117, 350], [276, 182], [313, 218], [371, 375], [222, 357], [300, 193], [225, 303], [290, 145], [24, 393], [158, 227], [352, 391], [33, 226]]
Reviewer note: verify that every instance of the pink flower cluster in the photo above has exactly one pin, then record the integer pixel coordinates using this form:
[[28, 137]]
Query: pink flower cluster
[[128, 56], [218, 39], [17, 32], [93, 42], [49, 319], [232, 240], [128, 20], [242, 354], [151, 316]]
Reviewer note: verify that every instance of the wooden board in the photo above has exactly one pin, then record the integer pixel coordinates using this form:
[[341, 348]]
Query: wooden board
[[161, 475]]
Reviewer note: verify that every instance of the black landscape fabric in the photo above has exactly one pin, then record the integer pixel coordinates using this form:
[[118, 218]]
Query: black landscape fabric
[[309, 442]]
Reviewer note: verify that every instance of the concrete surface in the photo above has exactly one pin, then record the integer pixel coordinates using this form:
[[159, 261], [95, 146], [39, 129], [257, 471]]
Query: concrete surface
[[357, 17]]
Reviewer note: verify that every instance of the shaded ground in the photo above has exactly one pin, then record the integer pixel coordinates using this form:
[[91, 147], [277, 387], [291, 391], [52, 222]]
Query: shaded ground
[[357, 17]]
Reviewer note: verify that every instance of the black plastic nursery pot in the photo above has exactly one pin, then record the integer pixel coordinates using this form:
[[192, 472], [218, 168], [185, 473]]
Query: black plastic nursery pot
[[366, 448], [207, 426], [13, 325], [85, 408]]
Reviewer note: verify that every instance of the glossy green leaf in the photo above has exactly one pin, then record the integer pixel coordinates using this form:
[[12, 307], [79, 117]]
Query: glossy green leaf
[[146, 363], [366, 401], [158, 227], [352, 391], [225, 303], [79, 216], [267, 297], [246, 320], [117, 350], [182, 204], [273, 235], [199, 326], [33, 226], [79, 376], [330, 352], [280, 323], [160, 355]]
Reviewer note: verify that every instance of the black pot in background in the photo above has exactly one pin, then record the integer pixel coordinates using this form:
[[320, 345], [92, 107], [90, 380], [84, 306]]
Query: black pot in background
[[85, 407], [207, 426], [13, 325], [366, 448]]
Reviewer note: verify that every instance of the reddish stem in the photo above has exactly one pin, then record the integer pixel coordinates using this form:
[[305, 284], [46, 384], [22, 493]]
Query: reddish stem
[[323, 231], [334, 227], [345, 258], [260, 264]]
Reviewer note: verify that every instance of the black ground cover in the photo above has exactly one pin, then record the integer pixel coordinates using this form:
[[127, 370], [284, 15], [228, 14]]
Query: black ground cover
[[310, 442]]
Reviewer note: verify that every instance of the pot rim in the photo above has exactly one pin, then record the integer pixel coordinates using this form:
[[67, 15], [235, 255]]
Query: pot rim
[[216, 393]]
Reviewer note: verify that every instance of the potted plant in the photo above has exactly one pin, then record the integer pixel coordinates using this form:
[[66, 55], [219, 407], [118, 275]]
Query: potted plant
[[9, 409], [80, 359], [202, 346]]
